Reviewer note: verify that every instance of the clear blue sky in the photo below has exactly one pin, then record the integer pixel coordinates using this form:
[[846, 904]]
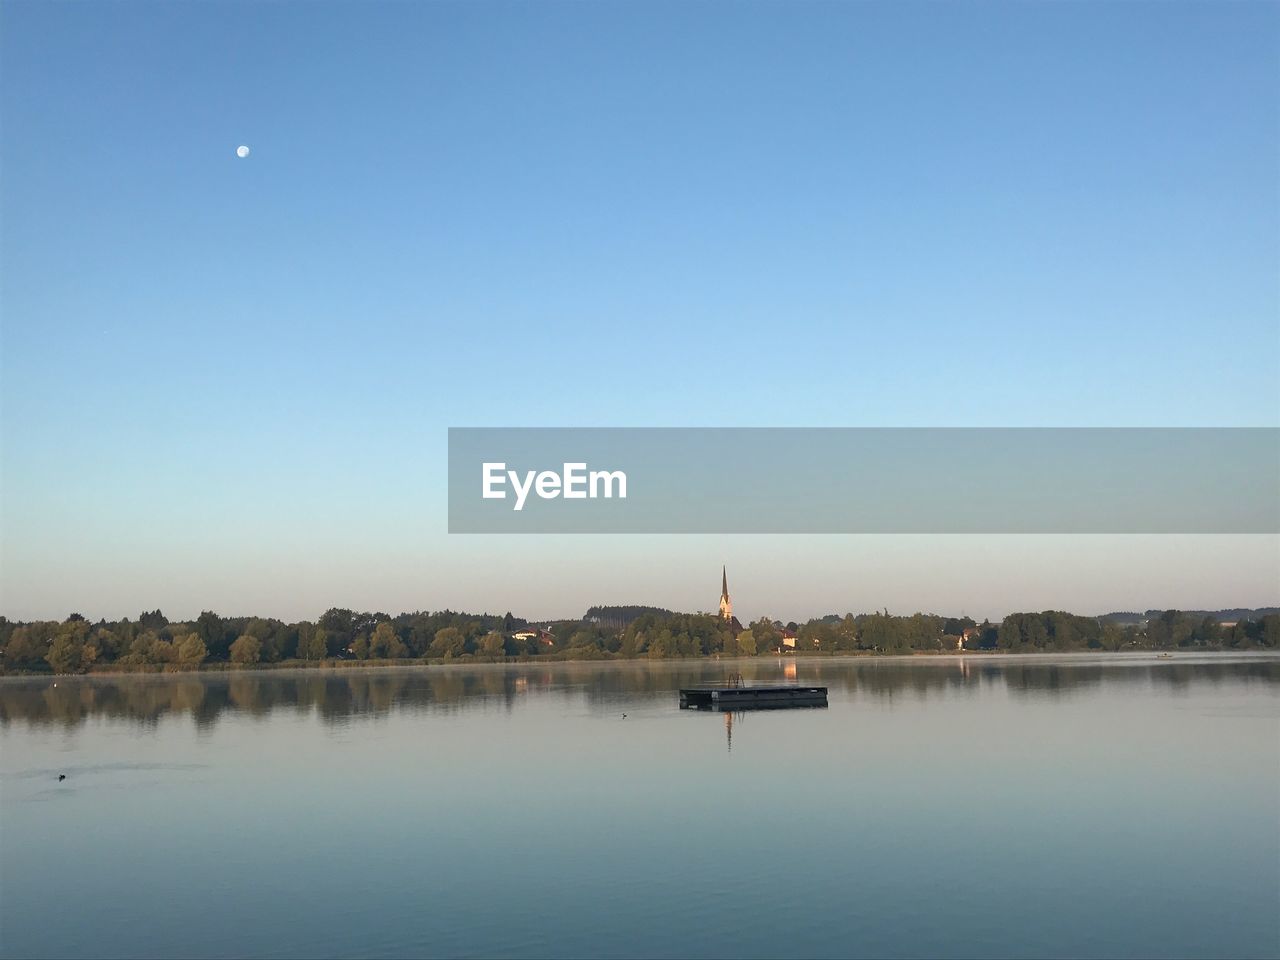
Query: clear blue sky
[[226, 383]]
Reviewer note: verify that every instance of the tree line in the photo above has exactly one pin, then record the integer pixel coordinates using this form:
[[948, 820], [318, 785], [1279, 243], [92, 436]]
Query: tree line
[[153, 642]]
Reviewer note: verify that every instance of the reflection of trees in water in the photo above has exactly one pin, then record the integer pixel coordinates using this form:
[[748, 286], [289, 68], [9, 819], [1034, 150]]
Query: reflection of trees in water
[[334, 697], [1066, 678], [339, 696], [966, 676]]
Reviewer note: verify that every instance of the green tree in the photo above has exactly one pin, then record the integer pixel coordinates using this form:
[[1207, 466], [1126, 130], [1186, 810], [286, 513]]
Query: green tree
[[246, 649], [303, 631], [448, 642], [318, 645], [662, 645], [214, 634], [816, 635], [1113, 638], [142, 649], [1167, 630], [1208, 632], [191, 650], [747, 643], [767, 635], [64, 654], [1271, 630], [386, 644], [1034, 631], [493, 644], [1010, 636], [152, 620], [265, 631], [164, 651], [28, 645], [108, 642], [340, 626], [846, 633]]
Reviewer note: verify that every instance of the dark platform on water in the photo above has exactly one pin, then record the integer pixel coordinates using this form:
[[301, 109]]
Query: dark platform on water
[[751, 698]]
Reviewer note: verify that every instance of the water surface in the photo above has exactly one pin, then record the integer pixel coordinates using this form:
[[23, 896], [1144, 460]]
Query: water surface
[[1060, 806]]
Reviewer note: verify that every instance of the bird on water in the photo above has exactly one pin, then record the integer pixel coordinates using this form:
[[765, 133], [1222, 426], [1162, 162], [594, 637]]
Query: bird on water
[[61, 777]]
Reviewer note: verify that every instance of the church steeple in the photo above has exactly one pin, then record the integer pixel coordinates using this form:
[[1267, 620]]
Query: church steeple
[[726, 605]]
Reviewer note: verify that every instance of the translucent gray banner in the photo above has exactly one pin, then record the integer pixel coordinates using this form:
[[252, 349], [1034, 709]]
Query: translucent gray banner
[[864, 480]]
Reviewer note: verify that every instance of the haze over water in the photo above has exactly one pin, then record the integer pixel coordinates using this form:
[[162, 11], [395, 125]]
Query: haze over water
[[1032, 806]]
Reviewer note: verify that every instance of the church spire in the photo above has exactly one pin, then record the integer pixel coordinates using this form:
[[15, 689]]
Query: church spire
[[726, 605]]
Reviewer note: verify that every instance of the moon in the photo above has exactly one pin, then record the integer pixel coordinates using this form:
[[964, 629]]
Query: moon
[[242, 151]]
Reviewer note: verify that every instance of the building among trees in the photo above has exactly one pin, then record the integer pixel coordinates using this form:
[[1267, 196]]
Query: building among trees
[[726, 604], [534, 633]]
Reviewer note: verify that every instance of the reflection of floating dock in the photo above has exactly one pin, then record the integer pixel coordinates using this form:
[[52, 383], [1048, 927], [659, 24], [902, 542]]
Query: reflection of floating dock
[[751, 698]]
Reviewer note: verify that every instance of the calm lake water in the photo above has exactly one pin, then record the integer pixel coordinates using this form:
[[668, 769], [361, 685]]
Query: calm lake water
[[1109, 806]]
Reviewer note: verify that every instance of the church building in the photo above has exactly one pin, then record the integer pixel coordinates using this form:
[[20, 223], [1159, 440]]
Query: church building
[[726, 605]]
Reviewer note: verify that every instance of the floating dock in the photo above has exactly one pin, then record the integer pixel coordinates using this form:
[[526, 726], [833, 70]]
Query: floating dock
[[735, 698]]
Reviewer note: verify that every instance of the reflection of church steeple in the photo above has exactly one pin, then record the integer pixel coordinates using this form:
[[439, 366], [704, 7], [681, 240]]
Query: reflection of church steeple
[[726, 605], [728, 729]]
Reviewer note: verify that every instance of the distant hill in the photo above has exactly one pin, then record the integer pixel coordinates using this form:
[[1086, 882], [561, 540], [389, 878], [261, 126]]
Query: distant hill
[[618, 618], [1124, 618]]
